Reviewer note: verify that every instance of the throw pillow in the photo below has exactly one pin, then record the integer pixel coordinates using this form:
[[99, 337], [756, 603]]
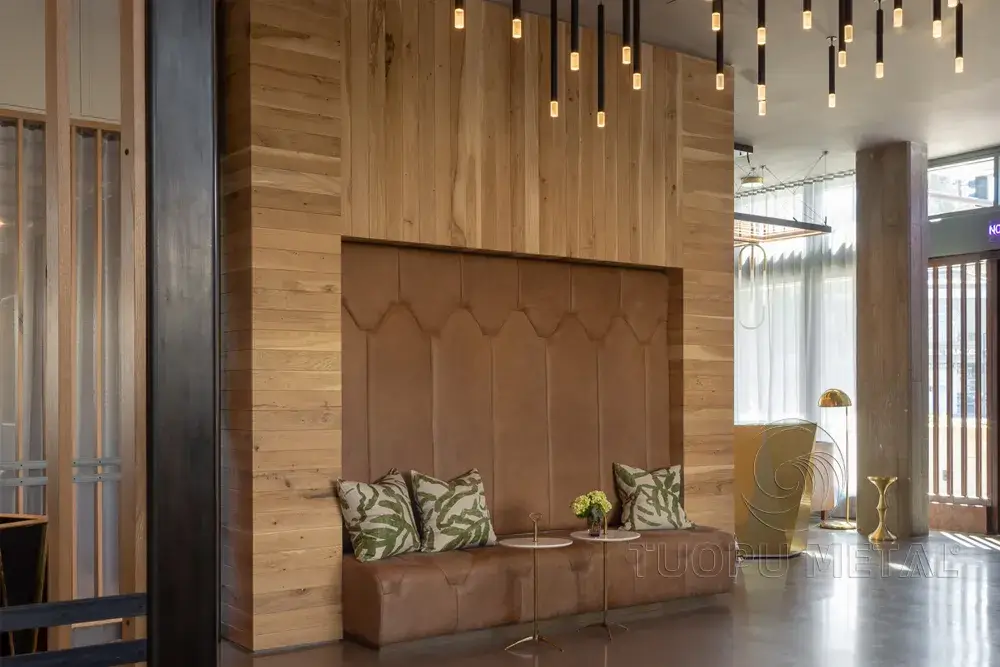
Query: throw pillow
[[379, 517], [453, 515], [650, 499]]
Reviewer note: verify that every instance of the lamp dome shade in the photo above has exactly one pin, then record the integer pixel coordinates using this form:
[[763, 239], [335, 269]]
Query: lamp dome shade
[[834, 398]]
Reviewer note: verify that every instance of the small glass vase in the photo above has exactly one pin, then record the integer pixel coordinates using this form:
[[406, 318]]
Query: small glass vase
[[595, 525]]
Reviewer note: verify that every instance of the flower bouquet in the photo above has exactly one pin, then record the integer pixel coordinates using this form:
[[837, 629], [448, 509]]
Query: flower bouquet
[[594, 507]]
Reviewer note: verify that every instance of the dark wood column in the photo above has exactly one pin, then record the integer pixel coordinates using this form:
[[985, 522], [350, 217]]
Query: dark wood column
[[892, 334], [182, 454]]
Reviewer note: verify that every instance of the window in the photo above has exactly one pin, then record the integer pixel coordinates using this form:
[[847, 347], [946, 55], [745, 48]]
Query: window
[[963, 186]]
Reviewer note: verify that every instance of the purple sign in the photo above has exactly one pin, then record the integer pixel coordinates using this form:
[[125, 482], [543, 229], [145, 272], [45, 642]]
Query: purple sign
[[994, 230]]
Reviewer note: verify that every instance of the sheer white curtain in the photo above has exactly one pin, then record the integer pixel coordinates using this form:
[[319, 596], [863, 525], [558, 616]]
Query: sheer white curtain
[[795, 314]]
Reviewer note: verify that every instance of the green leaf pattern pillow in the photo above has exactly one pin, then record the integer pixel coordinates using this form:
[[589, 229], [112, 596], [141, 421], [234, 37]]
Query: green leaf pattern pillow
[[379, 517], [453, 515], [651, 500]]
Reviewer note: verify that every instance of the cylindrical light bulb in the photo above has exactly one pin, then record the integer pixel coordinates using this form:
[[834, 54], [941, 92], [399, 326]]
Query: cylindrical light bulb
[[720, 81], [953, 3], [602, 119], [761, 36], [959, 65], [879, 70], [574, 61], [832, 100], [807, 20], [516, 29], [554, 108], [637, 80], [459, 18], [761, 92], [936, 29], [842, 59], [897, 17], [762, 108], [626, 55], [716, 21], [849, 33]]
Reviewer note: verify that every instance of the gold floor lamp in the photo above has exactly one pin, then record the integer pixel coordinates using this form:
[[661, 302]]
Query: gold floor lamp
[[835, 398]]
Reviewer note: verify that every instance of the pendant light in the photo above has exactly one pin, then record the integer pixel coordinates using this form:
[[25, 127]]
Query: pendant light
[[517, 19], [601, 115], [848, 21], [716, 15], [554, 48], [807, 14], [879, 42], [574, 36], [637, 45], [761, 22], [626, 32], [720, 64], [959, 38], [832, 90], [953, 3], [459, 14], [841, 41], [936, 24], [897, 14], [761, 82]]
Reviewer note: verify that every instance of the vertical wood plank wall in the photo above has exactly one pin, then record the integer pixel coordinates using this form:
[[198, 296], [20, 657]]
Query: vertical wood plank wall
[[375, 119]]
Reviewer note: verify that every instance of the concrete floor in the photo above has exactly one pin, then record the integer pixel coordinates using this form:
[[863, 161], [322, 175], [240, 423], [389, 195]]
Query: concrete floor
[[841, 604]]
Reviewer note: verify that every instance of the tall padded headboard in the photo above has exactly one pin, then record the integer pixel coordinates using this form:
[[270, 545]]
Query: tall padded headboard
[[538, 373]]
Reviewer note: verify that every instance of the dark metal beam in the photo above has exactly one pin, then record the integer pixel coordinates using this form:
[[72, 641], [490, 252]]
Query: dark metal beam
[[742, 148], [783, 222], [183, 462], [53, 614]]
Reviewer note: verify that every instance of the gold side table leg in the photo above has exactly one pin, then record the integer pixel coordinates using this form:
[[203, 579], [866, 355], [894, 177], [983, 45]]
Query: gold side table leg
[[604, 583], [535, 636]]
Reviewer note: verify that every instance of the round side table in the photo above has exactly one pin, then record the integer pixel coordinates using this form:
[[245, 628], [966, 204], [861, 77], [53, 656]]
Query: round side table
[[535, 544], [604, 539]]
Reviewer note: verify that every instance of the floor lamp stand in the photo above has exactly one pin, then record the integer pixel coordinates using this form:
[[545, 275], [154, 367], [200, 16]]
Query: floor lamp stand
[[846, 523]]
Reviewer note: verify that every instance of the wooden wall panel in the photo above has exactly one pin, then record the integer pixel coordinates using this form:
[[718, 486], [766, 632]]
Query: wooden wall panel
[[375, 119]]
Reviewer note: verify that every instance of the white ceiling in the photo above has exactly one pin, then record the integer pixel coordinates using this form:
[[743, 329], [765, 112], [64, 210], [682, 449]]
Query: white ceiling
[[920, 99]]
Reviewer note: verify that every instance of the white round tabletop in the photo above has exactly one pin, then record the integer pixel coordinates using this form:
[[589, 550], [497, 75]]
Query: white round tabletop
[[531, 543], [609, 536]]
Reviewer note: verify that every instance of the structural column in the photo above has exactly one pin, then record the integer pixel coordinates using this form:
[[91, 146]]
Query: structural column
[[892, 334]]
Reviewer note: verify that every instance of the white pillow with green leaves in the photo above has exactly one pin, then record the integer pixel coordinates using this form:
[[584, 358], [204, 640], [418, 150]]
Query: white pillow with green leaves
[[651, 500], [453, 515], [379, 517]]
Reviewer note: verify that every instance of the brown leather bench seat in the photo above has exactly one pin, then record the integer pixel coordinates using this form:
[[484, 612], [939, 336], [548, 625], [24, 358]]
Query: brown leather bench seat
[[424, 595]]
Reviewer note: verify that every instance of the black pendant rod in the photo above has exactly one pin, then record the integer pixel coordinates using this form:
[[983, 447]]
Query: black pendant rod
[[761, 80], [936, 24], [960, 37], [761, 22], [637, 44], [879, 41], [626, 32], [849, 20], [807, 14], [832, 85], [841, 29], [554, 48], [574, 35], [600, 65], [517, 20], [720, 64]]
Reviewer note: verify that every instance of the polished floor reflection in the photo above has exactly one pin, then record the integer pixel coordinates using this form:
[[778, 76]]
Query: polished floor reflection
[[922, 604]]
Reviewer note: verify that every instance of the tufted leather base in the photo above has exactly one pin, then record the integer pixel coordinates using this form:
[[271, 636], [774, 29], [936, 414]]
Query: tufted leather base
[[425, 595]]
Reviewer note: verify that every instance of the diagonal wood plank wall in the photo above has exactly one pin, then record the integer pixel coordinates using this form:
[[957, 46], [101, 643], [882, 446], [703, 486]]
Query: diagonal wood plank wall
[[375, 119]]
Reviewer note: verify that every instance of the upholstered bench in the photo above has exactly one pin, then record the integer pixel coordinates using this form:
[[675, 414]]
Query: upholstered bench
[[420, 595]]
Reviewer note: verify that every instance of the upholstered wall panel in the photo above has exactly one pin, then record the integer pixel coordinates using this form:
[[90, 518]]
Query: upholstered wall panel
[[538, 373]]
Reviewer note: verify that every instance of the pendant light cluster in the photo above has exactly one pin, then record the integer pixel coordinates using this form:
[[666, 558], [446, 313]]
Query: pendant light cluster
[[631, 45], [837, 44]]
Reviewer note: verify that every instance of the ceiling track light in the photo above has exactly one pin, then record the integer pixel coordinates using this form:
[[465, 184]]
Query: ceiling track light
[[554, 57], [959, 37], [716, 15], [807, 14], [936, 23], [897, 14], [720, 64], [626, 32], [841, 30], [516, 21], [879, 41], [637, 45], [761, 22], [601, 64], [848, 21], [761, 81], [574, 36], [459, 14], [832, 85]]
